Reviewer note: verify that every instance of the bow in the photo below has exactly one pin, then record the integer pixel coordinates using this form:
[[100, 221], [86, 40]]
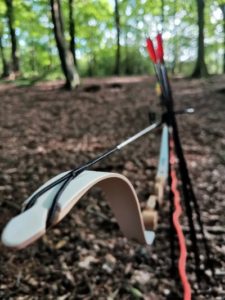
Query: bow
[[175, 150], [52, 201]]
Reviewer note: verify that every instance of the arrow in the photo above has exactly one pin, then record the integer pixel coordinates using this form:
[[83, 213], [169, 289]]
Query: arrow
[[51, 202]]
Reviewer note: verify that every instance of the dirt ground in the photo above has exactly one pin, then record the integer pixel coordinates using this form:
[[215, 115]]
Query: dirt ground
[[45, 130]]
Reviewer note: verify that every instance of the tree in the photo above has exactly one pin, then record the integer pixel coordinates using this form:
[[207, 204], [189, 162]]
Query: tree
[[222, 7], [162, 13], [110, 37], [175, 40], [72, 31], [117, 23], [200, 67], [11, 24], [5, 66], [65, 55]]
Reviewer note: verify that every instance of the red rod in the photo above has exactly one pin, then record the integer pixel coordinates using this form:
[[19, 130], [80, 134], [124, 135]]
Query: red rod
[[181, 239]]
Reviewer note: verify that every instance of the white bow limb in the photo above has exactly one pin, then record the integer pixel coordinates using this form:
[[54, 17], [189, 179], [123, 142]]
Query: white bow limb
[[30, 225]]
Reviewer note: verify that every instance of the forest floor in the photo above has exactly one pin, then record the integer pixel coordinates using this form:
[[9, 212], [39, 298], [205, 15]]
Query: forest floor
[[45, 130]]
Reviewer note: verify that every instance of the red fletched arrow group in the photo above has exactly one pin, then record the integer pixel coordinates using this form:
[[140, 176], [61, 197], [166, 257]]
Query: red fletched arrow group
[[156, 56]]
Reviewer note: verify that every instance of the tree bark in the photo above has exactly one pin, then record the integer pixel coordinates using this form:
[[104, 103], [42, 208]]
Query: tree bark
[[14, 51], [72, 31], [162, 14], [92, 64], [126, 53], [222, 7], [175, 41], [5, 66], [117, 23], [65, 55], [200, 67]]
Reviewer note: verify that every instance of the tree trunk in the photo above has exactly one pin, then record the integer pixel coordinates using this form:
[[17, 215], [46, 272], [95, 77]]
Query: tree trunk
[[14, 51], [126, 54], [222, 7], [5, 66], [175, 41], [92, 64], [162, 14], [200, 67], [32, 57], [72, 31], [65, 55], [117, 23]]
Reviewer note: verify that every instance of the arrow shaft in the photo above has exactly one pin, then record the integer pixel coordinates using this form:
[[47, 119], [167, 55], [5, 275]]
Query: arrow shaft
[[73, 173]]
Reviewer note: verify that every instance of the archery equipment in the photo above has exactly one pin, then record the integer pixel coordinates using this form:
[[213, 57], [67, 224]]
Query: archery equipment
[[176, 215], [191, 204], [51, 202], [157, 57], [150, 214], [30, 225]]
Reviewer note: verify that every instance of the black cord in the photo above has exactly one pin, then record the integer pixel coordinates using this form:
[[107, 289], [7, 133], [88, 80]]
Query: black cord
[[72, 173], [53, 208], [187, 187]]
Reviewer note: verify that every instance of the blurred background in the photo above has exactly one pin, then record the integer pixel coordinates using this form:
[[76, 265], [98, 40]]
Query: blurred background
[[96, 50], [107, 37]]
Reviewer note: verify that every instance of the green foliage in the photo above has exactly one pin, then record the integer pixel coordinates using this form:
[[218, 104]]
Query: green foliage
[[96, 35]]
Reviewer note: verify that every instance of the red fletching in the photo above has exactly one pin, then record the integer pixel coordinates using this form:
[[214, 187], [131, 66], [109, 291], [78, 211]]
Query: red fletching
[[159, 50], [151, 50]]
